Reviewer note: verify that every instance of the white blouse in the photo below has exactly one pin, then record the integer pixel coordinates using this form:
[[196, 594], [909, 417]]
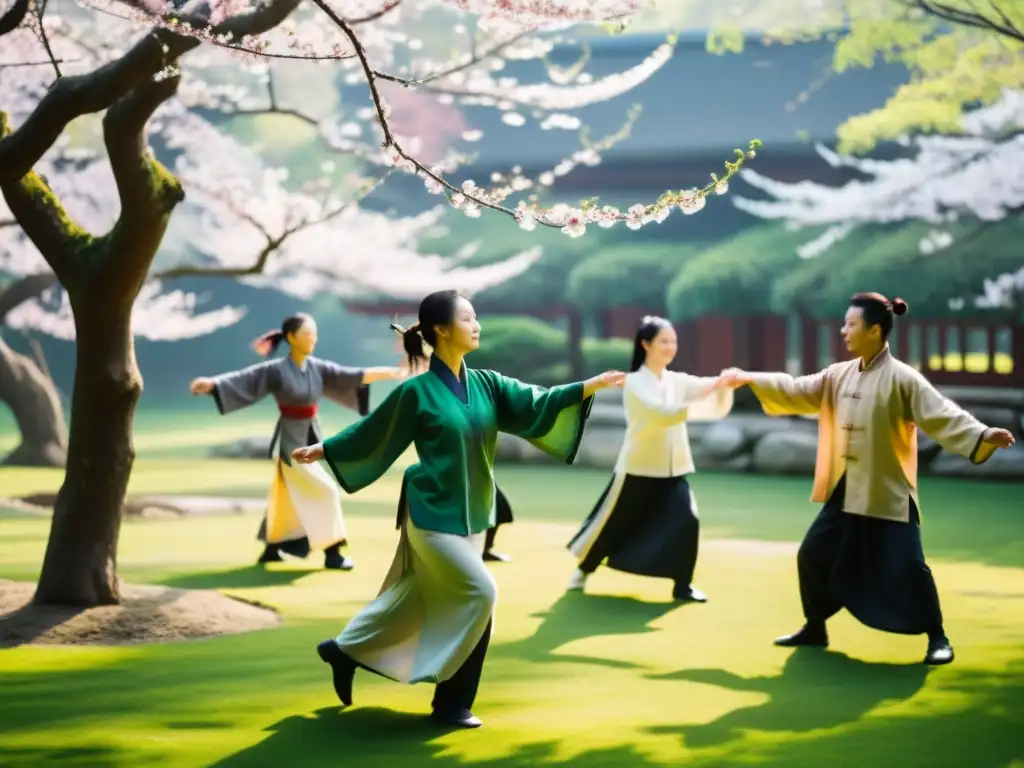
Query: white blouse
[[657, 408]]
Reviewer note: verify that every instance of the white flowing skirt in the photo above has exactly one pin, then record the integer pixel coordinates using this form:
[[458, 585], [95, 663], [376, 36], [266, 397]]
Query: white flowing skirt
[[431, 612], [304, 501]]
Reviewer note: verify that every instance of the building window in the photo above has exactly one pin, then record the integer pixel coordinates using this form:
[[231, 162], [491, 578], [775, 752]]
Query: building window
[[914, 356], [977, 356], [795, 345], [953, 360], [931, 343], [1002, 351]]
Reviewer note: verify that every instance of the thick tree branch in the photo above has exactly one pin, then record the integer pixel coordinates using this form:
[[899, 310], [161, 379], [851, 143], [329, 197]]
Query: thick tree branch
[[148, 192], [77, 95], [23, 289], [16, 14], [43, 219]]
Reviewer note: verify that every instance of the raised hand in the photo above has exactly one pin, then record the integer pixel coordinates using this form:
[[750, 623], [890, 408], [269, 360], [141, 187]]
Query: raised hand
[[308, 454], [734, 378], [1001, 438], [605, 380], [201, 386]]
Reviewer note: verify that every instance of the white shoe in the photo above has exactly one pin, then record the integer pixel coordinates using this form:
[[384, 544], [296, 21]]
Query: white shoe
[[578, 580]]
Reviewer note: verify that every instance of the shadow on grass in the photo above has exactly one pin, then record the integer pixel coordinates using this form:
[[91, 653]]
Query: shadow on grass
[[818, 713], [816, 689], [87, 757], [235, 578], [983, 734], [577, 616]]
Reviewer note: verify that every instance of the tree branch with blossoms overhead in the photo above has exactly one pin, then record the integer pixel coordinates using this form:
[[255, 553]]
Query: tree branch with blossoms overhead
[[571, 221], [512, 20]]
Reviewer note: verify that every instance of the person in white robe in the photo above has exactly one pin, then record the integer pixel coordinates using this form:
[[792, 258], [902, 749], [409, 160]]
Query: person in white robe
[[863, 552], [646, 521], [303, 504]]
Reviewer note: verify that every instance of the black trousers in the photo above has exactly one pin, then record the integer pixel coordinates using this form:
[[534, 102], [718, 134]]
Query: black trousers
[[874, 568], [459, 691], [653, 531]]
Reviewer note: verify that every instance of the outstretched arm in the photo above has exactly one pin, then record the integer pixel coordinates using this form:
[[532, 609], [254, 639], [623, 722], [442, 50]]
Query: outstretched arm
[[361, 453], [781, 394], [949, 425], [550, 419], [236, 390]]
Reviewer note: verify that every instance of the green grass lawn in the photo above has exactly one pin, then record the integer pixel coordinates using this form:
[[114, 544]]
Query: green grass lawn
[[617, 677]]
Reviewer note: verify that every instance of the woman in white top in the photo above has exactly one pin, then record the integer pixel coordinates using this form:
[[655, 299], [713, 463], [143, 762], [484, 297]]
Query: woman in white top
[[646, 520]]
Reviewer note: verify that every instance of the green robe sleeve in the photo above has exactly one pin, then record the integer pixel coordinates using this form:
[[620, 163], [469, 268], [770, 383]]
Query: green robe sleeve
[[361, 453], [550, 419]]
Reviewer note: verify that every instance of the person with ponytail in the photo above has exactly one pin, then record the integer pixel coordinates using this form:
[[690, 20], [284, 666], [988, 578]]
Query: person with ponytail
[[303, 506], [431, 622], [646, 520], [863, 551]]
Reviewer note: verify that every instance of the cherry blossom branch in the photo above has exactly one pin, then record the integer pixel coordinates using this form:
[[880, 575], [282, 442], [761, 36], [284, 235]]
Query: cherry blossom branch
[[569, 220], [77, 95], [474, 59], [40, 11], [273, 244]]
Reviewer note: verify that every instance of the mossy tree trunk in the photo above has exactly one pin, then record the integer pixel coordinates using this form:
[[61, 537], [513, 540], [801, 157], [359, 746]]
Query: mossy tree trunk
[[102, 276]]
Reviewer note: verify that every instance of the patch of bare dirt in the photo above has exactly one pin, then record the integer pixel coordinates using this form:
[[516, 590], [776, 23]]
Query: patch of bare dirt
[[147, 614]]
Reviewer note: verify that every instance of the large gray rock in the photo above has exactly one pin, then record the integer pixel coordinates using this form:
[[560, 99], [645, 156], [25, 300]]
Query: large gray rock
[[723, 440], [246, 448], [742, 462], [789, 452], [1005, 464]]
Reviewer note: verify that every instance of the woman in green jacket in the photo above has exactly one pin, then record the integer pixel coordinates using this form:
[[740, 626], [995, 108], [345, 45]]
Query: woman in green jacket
[[431, 621]]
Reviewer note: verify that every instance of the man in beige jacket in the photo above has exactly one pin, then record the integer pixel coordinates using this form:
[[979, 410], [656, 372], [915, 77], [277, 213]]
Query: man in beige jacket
[[863, 552]]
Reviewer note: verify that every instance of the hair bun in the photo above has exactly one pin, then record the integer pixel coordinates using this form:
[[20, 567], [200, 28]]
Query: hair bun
[[899, 306]]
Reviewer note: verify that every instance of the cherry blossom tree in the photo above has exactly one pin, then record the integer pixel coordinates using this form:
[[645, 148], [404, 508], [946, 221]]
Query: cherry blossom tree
[[975, 177], [131, 75]]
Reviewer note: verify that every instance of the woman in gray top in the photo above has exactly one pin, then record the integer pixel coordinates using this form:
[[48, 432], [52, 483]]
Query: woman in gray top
[[304, 504]]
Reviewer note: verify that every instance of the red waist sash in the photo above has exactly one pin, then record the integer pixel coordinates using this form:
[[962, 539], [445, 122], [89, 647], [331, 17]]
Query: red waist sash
[[297, 411]]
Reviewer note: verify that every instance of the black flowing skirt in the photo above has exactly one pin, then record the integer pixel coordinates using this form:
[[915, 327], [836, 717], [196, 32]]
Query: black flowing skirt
[[874, 568], [652, 529]]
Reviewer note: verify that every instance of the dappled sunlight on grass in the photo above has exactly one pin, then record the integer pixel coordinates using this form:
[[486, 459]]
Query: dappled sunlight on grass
[[617, 676]]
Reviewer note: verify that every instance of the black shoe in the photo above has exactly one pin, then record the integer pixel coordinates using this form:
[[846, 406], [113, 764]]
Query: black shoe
[[456, 716], [342, 666], [808, 635], [939, 651], [496, 557], [336, 561], [688, 593], [271, 554]]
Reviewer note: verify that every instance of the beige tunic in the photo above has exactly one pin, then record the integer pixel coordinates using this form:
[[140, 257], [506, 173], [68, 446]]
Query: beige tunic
[[657, 409], [867, 429]]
